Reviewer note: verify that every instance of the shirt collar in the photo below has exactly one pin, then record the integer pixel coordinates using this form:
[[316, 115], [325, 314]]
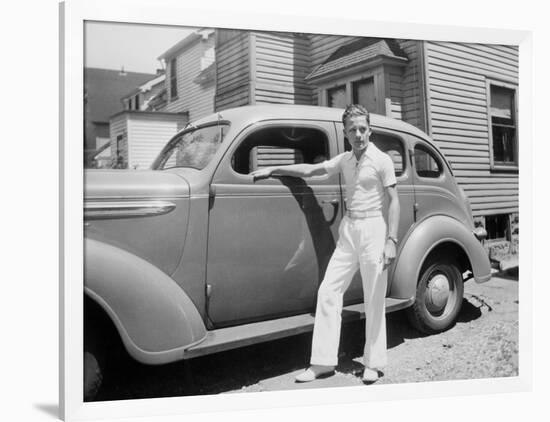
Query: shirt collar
[[368, 153]]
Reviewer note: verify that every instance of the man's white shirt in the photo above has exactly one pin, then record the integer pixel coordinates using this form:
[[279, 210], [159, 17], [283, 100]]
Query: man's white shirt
[[365, 179]]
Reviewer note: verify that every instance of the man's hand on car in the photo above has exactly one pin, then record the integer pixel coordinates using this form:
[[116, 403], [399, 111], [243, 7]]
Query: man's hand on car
[[261, 173]]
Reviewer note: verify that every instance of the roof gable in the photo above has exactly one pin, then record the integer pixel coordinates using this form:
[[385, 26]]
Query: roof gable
[[357, 52]]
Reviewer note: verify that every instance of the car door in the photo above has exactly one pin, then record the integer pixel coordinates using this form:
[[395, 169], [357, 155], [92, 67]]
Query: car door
[[269, 240], [395, 145], [436, 190]]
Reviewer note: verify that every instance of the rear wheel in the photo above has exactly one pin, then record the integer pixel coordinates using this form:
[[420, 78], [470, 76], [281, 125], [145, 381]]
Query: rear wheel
[[439, 296], [94, 364], [102, 349]]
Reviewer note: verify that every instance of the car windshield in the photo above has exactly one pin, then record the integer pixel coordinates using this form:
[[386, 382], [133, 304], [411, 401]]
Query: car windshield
[[193, 148]]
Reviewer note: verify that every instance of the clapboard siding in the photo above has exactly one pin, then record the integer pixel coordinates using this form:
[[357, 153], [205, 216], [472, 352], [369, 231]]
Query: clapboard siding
[[193, 97], [235, 98], [413, 110], [233, 70], [457, 90], [281, 63], [148, 134], [396, 93], [478, 53]]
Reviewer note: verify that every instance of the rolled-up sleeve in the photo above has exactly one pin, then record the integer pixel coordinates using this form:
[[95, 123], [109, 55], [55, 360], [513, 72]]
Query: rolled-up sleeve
[[333, 165]]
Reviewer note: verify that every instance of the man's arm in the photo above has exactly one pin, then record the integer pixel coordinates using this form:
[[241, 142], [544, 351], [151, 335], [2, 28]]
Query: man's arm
[[294, 170], [390, 249]]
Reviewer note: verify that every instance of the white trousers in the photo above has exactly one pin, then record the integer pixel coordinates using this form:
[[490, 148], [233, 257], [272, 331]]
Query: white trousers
[[360, 245]]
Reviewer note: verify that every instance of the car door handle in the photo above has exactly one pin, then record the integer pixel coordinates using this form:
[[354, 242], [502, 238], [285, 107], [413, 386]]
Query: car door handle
[[330, 201]]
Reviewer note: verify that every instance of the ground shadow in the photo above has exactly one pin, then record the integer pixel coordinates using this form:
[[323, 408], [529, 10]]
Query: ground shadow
[[512, 274], [236, 369], [213, 374], [469, 312]]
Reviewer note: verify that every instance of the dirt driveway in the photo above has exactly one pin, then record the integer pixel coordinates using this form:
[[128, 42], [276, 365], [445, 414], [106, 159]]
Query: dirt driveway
[[483, 344]]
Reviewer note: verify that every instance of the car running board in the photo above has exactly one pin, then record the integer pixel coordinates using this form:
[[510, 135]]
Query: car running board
[[222, 339]]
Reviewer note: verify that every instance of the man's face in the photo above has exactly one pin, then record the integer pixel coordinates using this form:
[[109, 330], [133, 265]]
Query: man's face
[[357, 131]]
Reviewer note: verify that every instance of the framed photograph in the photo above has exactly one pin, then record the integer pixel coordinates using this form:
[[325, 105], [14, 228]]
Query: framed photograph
[[221, 203]]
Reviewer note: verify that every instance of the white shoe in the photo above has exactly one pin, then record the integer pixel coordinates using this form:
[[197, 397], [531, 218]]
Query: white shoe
[[370, 375], [314, 372]]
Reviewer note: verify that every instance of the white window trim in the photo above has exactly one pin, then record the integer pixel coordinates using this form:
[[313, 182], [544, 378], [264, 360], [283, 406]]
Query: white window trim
[[501, 166]]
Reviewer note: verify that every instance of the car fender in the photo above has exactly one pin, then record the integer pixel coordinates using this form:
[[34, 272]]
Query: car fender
[[155, 318], [425, 237]]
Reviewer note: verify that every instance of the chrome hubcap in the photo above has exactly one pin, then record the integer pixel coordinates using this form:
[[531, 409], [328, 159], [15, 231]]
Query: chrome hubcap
[[438, 292]]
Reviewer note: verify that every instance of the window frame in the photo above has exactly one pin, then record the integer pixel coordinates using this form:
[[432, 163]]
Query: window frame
[[434, 155], [355, 94], [173, 81], [225, 173], [498, 165], [328, 90], [379, 82], [273, 125]]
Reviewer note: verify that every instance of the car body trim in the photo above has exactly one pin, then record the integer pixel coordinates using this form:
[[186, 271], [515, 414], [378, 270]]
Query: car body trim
[[105, 210]]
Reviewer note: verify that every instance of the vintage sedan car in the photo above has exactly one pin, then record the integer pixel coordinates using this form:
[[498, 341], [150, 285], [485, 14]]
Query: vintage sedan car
[[195, 256]]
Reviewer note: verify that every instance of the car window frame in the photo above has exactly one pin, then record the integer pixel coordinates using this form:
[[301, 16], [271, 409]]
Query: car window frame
[[225, 173], [447, 171]]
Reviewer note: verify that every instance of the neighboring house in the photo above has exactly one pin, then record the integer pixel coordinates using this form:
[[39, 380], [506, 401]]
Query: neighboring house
[[137, 137], [158, 108], [190, 75], [103, 90], [149, 96], [463, 95]]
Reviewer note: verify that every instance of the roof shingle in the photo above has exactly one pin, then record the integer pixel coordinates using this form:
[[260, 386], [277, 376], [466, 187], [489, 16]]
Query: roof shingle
[[358, 52]]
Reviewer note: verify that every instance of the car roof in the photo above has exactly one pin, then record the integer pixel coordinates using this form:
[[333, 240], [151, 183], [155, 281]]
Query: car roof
[[246, 115]]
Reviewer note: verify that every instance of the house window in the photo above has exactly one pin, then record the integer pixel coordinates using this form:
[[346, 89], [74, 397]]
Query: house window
[[363, 93], [136, 102], [119, 159], [336, 97], [359, 89], [173, 80], [503, 124], [119, 139]]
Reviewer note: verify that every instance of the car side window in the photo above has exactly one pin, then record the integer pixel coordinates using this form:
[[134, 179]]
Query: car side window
[[426, 162], [392, 146], [280, 145]]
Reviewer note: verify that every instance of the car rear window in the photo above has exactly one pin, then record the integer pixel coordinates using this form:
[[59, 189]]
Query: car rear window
[[426, 162]]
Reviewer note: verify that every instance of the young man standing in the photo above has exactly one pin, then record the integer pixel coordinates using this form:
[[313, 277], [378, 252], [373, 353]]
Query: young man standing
[[365, 243]]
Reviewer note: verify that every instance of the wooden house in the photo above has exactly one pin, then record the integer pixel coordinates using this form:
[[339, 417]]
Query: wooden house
[[161, 106], [103, 90], [136, 137], [463, 95], [190, 75], [149, 96]]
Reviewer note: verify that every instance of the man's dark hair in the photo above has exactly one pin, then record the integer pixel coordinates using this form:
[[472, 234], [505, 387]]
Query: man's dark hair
[[355, 110]]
